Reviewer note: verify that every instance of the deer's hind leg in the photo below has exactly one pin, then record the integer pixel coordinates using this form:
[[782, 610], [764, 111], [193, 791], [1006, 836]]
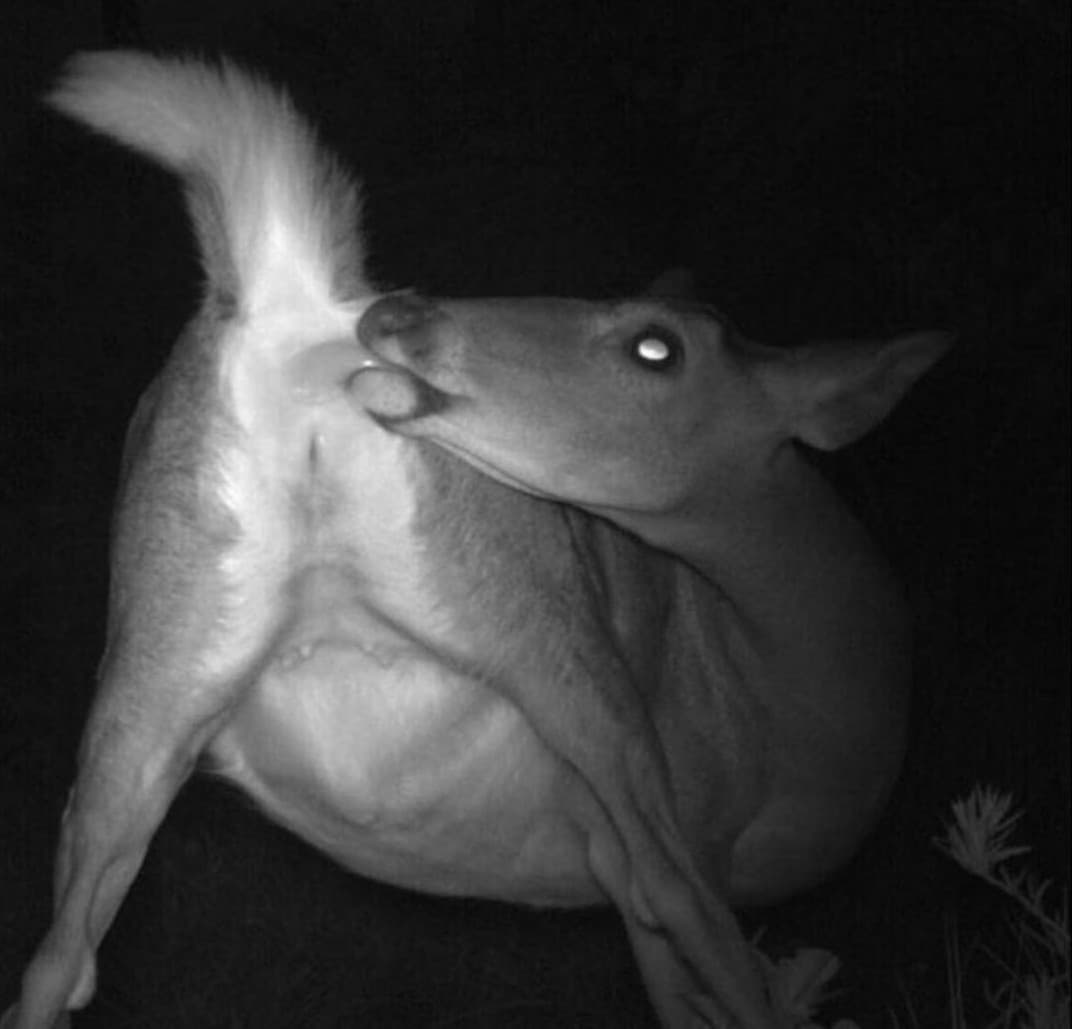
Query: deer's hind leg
[[185, 641]]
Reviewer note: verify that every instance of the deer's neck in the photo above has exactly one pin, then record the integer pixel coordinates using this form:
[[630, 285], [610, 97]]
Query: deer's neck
[[822, 612]]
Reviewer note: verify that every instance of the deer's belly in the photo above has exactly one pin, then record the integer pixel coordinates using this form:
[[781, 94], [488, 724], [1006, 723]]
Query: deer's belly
[[405, 771]]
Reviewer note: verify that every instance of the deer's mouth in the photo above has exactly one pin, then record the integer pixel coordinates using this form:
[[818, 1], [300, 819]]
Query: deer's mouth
[[393, 395], [403, 403]]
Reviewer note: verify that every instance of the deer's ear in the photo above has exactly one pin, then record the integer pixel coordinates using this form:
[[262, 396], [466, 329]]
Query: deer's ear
[[831, 394], [672, 284]]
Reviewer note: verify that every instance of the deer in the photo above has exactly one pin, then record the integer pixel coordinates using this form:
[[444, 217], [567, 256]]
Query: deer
[[532, 599]]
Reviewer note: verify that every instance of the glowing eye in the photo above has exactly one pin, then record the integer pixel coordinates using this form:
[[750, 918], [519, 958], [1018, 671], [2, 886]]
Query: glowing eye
[[656, 351]]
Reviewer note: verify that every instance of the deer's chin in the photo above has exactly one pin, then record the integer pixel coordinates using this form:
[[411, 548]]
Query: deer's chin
[[500, 471]]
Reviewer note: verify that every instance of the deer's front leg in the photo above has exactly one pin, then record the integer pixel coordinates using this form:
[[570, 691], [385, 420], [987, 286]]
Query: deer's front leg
[[694, 960], [582, 698]]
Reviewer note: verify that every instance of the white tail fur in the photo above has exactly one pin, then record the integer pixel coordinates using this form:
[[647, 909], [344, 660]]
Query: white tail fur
[[267, 201]]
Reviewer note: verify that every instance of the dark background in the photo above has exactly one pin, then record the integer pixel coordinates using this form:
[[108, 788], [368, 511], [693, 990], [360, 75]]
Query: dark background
[[827, 169]]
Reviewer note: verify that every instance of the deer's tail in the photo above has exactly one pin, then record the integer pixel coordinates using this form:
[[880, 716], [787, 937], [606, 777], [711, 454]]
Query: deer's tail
[[266, 199]]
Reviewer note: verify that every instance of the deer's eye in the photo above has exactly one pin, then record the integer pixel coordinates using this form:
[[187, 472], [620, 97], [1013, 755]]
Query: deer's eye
[[657, 350]]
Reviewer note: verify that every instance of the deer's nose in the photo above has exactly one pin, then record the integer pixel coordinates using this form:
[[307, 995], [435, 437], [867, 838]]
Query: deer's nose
[[397, 314]]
